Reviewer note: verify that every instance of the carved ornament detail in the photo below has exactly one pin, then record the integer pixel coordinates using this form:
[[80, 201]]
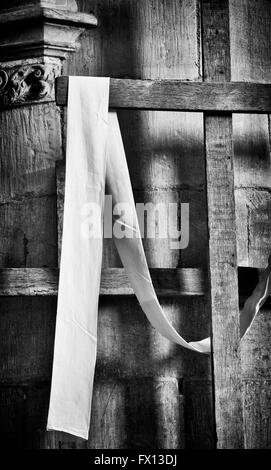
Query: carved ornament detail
[[24, 84]]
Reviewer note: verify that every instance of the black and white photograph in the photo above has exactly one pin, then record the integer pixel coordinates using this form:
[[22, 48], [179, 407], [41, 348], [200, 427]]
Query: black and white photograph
[[135, 228]]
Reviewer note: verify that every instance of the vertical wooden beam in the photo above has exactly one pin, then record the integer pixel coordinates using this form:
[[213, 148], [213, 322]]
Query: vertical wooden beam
[[222, 234]]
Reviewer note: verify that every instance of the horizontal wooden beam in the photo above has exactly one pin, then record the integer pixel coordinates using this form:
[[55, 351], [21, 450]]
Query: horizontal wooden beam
[[44, 282], [177, 95], [167, 282]]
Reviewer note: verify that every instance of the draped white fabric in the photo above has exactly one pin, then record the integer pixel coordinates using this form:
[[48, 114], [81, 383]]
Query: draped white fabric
[[95, 154]]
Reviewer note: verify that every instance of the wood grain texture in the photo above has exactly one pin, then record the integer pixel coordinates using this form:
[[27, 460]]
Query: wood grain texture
[[27, 339], [70, 5], [31, 282], [224, 283], [222, 235], [251, 133], [145, 40], [250, 46], [30, 143], [23, 415], [139, 388], [114, 281], [178, 192], [123, 324], [253, 212], [257, 410], [151, 39], [124, 410], [182, 96], [256, 349], [198, 402]]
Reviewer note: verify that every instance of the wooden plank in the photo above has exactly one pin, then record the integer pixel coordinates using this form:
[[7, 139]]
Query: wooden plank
[[27, 340], [122, 323], [23, 415], [257, 405], [250, 48], [250, 45], [253, 220], [28, 281], [256, 349], [198, 397], [182, 96], [222, 235], [54, 15], [223, 282], [44, 282], [16, 282], [30, 143], [140, 403]]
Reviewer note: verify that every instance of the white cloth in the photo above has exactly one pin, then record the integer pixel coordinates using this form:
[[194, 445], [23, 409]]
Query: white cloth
[[95, 153]]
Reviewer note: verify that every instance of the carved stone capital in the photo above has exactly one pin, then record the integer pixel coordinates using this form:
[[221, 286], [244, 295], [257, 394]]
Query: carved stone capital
[[35, 36], [27, 83]]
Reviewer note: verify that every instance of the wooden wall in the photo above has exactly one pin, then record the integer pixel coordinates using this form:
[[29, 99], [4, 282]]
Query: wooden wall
[[148, 393], [250, 54]]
